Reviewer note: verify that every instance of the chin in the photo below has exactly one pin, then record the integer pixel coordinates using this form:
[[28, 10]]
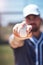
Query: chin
[[34, 30]]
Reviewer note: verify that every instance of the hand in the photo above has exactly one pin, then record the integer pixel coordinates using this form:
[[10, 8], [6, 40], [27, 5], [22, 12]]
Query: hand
[[15, 43], [19, 26]]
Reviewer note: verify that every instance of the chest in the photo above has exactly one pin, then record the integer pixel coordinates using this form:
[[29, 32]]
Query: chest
[[35, 51]]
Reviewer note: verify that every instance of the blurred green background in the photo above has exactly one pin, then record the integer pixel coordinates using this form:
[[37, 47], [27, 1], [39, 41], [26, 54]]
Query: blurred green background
[[6, 55], [6, 52]]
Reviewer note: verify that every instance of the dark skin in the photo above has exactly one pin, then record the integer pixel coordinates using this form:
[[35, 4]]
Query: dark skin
[[35, 21]]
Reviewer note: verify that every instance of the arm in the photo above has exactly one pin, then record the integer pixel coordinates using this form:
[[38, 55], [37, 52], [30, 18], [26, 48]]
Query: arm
[[14, 42]]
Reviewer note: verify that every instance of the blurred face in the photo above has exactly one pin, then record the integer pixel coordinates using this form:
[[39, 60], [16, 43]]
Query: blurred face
[[35, 21]]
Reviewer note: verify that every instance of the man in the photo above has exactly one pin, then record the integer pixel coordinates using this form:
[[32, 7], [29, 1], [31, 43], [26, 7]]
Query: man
[[29, 51]]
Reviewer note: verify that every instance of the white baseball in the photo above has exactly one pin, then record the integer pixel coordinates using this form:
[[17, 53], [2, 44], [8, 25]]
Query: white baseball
[[22, 31]]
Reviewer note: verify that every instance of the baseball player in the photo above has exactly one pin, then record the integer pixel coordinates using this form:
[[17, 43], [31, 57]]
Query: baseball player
[[27, 39]]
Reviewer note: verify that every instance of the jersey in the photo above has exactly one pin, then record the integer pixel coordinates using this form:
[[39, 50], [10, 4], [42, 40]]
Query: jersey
[[31, 53]]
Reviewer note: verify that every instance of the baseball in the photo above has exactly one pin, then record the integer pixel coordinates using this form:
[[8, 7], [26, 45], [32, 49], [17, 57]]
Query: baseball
[[23, 31]]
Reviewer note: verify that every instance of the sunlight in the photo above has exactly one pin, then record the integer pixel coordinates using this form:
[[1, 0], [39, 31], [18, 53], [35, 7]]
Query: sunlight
[[2, 5]]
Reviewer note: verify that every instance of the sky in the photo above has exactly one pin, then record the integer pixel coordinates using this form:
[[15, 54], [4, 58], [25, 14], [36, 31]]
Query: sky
[[16, 6]]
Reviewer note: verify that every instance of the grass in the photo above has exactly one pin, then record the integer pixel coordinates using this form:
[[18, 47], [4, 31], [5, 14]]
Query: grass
[[6, 55]]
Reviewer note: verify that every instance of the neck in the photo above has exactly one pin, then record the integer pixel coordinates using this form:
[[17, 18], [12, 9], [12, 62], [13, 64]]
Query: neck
[[36, 34]]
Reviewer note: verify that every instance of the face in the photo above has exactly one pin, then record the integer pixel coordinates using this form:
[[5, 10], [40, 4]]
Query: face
[[35, 21]]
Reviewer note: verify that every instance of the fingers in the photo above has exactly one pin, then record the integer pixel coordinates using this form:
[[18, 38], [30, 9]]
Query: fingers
[[15, 28], [23, 38], [22, 31], [29, 28]]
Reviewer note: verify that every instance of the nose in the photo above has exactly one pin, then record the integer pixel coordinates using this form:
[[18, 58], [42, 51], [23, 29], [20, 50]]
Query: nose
[[32, 21]]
